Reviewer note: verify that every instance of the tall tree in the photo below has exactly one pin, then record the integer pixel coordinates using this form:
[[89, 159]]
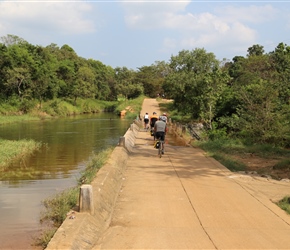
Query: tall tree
[[18, 73], [281, 60], [83, 86], [103, 74], [125, 85], [44, 84], [256, 50], [195, 82], [151, 79]]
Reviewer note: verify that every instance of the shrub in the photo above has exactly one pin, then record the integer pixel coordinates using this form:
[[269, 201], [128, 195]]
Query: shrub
[[285, 204], [282, 165]]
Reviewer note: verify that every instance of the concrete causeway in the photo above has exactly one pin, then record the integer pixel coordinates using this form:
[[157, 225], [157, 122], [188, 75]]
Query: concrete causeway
[[185, 200]]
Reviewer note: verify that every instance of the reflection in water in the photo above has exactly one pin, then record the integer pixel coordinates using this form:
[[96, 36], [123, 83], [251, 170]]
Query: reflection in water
[[68, 144]]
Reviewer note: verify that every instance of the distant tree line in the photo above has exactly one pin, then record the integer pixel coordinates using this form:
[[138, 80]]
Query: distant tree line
[[247, 97], [44, 73]]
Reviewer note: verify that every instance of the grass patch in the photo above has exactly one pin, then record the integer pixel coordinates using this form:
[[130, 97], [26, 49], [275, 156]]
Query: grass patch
[[229, 163], [12, 150], [57, 207], [285, 204], [236, 146], [222, 145], [282, 165], [221, 150], [6, 119], [66, 107], [92, 167], [45, 238], [132, 106], [224, 149], [267, 150]]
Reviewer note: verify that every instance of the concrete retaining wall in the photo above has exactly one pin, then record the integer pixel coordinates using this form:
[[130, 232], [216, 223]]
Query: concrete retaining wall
[[82, 230]]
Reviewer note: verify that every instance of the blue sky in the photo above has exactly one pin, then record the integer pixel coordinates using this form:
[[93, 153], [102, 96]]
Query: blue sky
[[139, 33]]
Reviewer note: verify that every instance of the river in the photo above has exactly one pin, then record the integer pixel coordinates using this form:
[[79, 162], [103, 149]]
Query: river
[[68, 144]]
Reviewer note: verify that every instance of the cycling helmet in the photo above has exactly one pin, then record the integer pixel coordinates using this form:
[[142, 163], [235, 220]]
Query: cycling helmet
[[164, 114], [162, 118]]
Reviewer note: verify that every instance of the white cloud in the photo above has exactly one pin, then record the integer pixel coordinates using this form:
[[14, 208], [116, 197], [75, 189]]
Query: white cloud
[[156, 6], [148, 15], [62, 17], [229, 28], [235, 39], [202, 28], [251, 14]]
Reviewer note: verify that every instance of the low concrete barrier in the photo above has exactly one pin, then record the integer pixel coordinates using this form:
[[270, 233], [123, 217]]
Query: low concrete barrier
[[82, 230]]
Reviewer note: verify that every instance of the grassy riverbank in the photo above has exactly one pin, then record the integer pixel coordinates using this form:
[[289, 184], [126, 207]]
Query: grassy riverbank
[[61, 108], [16, 150]]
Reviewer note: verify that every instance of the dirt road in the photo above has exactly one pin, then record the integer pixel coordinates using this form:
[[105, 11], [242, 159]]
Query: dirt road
[[186, 200]]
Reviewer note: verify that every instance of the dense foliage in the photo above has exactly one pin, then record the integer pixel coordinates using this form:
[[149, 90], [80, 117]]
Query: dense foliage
[[247, 97], [39, 73]]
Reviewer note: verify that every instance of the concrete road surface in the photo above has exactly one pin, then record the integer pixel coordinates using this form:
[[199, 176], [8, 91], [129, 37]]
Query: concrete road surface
[[186, 200]]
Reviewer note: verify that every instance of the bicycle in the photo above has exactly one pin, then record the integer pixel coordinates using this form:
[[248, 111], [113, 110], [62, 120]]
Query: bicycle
[[160, 148]]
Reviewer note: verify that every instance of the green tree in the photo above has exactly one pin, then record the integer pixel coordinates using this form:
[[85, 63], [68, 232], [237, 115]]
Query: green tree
[[83, 86], [281, 61], [44, 79], [12, 40], [152, 78], [103, 75], [259, 112], [18, 73], [195, 81], [256, 50], [17, 81], [67, 69], [125, 84]]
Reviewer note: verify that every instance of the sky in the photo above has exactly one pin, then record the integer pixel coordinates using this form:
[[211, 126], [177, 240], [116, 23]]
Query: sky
[[140, 33]]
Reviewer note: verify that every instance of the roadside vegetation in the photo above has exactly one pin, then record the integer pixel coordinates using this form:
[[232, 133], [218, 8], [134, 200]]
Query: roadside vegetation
[[236, 155], [285, 204]]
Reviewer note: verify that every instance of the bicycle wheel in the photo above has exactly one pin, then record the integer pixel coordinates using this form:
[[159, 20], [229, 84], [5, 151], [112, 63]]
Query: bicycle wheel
[[159, 149]]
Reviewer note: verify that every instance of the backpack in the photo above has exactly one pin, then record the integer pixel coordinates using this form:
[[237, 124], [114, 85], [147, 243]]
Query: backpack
[[157, 144]]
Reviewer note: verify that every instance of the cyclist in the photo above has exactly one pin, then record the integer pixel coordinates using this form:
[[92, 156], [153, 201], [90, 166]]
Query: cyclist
[[164, 117], [153, 119], [160, 130], [146, 121]]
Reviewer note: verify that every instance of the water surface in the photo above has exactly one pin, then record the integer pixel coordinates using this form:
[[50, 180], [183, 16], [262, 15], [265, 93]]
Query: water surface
[[68, 144]]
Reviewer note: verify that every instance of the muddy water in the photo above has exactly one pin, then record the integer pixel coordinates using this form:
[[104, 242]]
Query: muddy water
[[68, 145]]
